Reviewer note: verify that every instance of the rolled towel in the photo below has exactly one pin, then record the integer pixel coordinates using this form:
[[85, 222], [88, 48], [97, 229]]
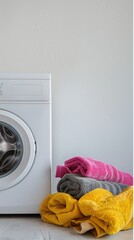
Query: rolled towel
[[92, 168], [59, 209], [77, 185], [107, 213]]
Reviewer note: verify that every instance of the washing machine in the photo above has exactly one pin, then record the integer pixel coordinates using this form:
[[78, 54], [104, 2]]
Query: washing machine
[[25, 142]]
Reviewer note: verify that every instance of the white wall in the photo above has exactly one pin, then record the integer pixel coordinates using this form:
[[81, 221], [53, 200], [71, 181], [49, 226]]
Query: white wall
[[87, 47]]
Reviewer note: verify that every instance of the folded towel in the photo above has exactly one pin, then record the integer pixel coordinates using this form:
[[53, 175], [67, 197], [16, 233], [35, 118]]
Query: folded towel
[[60, 209], [89, 167], [107, 213], [77, 185]]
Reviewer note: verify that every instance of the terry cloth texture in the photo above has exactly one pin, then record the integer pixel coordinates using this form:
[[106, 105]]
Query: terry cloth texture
[[77, 185], [107, 213], [92, 168], [98, 211], [60, 209]]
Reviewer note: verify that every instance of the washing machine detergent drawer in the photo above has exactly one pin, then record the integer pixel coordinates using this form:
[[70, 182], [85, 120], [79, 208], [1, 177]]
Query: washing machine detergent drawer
[[24, 89]]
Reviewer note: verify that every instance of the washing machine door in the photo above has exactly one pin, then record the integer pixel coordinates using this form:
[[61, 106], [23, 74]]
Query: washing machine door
[[17, 149]]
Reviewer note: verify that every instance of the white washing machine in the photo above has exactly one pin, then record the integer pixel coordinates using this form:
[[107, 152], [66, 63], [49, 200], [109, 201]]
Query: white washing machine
[[25, 142]]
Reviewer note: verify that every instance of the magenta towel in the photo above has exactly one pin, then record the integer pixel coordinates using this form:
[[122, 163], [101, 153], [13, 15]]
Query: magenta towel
[[92, 168]]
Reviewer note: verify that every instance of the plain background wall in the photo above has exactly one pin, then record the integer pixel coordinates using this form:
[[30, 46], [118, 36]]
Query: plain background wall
[[87, 47]]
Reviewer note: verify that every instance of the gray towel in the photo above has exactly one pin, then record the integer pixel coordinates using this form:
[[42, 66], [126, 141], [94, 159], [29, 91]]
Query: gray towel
[[77, 185]]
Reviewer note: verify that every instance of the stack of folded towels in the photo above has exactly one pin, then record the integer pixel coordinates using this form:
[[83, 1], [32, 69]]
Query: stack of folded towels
[[91, 196]]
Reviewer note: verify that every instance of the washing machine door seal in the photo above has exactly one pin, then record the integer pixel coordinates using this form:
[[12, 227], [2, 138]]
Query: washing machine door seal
[[17, 149]]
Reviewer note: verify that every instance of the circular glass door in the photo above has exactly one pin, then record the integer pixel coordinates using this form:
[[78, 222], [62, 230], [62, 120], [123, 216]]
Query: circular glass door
[[17, 149]]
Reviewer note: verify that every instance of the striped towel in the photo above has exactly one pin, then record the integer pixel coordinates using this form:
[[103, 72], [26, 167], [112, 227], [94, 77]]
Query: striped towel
[[92, 168]]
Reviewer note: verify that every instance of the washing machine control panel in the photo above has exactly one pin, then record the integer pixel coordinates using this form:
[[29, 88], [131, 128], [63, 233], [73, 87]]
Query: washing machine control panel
[[25, 88]]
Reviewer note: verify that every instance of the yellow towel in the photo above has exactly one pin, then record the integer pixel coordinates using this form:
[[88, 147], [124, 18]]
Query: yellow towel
[[60, 209], [108, 213], [85, 224]]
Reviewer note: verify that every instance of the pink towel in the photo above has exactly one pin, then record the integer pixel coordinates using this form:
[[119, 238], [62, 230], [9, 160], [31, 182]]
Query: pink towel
[[92, 168]]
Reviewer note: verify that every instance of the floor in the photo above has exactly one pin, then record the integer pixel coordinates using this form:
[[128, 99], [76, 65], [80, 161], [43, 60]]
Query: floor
[[31, 227]]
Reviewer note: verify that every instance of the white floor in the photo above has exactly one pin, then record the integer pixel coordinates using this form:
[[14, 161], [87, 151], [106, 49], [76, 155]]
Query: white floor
[[28, 227]]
